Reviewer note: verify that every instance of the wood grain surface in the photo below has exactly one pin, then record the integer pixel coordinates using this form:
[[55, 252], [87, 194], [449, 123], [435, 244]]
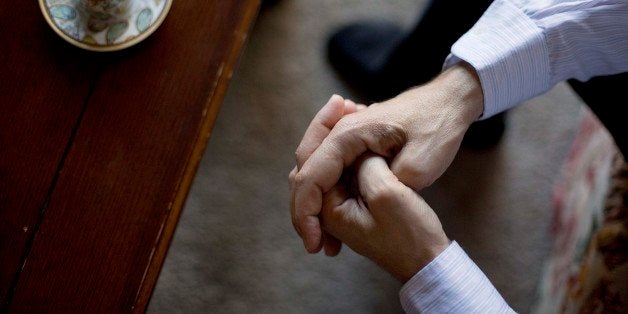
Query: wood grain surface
[[98, 151], [44, 84]]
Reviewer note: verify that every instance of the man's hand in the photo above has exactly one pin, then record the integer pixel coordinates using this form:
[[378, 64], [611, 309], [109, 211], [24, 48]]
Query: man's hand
[[318, 130], [387, 222], [419, 131]]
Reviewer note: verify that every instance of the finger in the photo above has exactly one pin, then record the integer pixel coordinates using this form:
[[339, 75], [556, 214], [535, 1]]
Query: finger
[[293, 173], [320, 127], [378, 186], [343, 218], [411, 170], [323, 169], [350, 107], [331, 244], [317, 176], [337, 196], [291, 178], [322, 124]]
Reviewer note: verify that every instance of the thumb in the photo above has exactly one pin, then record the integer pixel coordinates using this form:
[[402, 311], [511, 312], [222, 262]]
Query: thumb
[[379, 187], [412, 167]]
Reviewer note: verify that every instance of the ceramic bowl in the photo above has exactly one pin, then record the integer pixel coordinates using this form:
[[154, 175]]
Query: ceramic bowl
[[102, 30]]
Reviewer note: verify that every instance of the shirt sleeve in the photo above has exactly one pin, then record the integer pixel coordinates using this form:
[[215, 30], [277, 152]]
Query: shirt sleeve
[[522, 48], [451, 283]]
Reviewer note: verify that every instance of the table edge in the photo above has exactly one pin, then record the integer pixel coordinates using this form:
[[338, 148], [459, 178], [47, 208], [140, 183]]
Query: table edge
[[214, 102]]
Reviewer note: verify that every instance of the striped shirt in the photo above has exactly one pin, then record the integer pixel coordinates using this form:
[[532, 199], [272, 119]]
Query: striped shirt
[[520, 49], [451, 283]]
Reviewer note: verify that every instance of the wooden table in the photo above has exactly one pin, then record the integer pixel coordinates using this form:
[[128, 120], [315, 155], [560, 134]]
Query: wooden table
[[98, 151]]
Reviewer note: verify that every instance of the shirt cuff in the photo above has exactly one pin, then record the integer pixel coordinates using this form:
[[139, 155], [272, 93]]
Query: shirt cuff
[[451, 283], [509, 52]]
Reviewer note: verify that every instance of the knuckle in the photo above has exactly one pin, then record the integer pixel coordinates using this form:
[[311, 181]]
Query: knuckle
[[384, 194], [416, 176], [347, 123], [347, 132], [299, 152], [299, 179], [384, 138], [412, 171], [297, 220], [292, 174]]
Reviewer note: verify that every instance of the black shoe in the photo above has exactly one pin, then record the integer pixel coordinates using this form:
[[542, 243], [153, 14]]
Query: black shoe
[[486, 133], [360, 53]]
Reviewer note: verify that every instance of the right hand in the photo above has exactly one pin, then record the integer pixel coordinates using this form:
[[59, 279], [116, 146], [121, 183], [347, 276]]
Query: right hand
[[387, 222], [420, 131]]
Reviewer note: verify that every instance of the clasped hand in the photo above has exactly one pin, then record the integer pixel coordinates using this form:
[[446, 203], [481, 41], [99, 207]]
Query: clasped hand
[[396, 147], [384, 220]]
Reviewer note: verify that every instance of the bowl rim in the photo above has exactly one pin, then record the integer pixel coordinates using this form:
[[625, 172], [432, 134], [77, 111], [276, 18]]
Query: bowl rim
[[103, 48]]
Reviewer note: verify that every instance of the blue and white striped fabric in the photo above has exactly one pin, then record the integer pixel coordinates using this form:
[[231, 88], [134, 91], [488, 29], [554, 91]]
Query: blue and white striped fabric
[[451, 283], [522, 48]]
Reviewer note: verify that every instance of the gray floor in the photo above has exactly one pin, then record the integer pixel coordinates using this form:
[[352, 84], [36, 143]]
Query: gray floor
[[235, 251]]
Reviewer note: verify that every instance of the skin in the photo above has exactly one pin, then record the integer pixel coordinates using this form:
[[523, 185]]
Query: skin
[[418, 132], [319, 128], [386, 221]]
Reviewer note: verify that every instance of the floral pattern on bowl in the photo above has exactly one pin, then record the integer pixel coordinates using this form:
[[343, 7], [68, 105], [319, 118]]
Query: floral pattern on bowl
[[102, 31]]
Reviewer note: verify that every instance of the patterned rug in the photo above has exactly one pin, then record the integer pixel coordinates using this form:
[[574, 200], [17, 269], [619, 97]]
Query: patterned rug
[[588, 266]]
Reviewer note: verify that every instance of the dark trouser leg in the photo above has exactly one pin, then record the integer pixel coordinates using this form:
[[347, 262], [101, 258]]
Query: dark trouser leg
[[381, 61], [427, 46], [606, 96], [429, 43]]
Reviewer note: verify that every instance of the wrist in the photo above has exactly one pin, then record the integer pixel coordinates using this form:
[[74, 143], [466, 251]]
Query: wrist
[[461, 87]]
